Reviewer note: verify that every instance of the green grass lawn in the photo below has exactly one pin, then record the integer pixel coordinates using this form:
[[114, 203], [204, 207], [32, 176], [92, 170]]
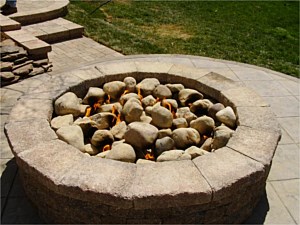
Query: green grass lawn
[[260, 33]]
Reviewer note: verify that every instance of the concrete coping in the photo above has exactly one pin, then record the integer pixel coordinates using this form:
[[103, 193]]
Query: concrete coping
[[245, 160]]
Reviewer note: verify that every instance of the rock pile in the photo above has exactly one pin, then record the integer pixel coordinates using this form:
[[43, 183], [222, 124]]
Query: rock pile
[[143, 122], [16, 64]]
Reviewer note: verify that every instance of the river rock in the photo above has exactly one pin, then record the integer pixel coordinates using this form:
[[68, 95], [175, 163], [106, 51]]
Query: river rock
[[109, 107], [132, 111], [122, 152], [145, 119], [180, 123], [212, 111], [173, 155], [147, 86], [94, 95], [227, 117], [91, 149], [164, 133], [163, 144], [222, 135], [86, 124], [185, 137], [103, 120], [148, 101], [73, 135], [200, 107], [161, 117], [126, 97], [195, 151], [144, 161], [204, 125], [114, 89], [184, 112], [207, 144], [60, 121], [187, 96], [161, 92], [118, 131], [130, 84], [141, 135], [103, 154], [67, 104], [175, 88], [101, 138], [171, 102]]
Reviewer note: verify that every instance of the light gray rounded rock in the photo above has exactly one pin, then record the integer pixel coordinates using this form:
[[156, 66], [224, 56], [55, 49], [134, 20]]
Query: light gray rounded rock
[[73, 135], [184, 112], [118, 131], [200, 107], [173, 155], [109, 107], [130, 84], [195, 151], [148, 101], [172, 102], [187, 96], [101, 138], [164, 133], [145, 119], [227, 117], [147, 86], [126, 97], [132, 111], [103, 120], [185, 137], [60, 121], [203, 124], [94, 95], [91, 149], [144, 161], [175, 88], [207, 144], [85, 123], [161, 117], [180, 123], [67, 104], [122, 152], [114, 89], [222, 135], [212, 111], [103, 154], [141, 135], [161, 92], [163, 144]]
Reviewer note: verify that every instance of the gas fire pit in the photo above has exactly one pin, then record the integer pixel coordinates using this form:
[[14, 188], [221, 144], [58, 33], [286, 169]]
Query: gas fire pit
[[68, 185]]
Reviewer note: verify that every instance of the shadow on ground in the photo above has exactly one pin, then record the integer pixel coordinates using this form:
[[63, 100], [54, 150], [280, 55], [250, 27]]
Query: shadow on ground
[[17, 209]]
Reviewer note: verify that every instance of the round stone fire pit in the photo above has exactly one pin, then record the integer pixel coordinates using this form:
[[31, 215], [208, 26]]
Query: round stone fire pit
[[68, 186]]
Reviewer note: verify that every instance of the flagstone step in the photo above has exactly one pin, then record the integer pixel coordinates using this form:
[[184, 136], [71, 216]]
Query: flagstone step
[[7, 24], [35, 47], [55, 30]]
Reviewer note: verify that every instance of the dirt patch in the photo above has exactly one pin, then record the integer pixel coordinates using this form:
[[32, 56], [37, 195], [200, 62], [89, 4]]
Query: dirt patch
[[172, 30]]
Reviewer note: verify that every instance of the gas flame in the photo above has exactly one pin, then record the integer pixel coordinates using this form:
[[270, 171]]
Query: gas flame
[[88, 111], [139, 93], [117, 118], [106, 148], [108, 99], [149, 155], [125, 92], [97, 105], [170, 107]]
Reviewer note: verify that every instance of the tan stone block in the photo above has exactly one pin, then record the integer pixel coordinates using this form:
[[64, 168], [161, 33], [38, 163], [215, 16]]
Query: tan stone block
[[169, 184], [228, 171], [256, 144], [23, 135]]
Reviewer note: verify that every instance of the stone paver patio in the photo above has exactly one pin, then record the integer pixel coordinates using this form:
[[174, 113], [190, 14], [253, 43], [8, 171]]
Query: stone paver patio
[[281, 203]]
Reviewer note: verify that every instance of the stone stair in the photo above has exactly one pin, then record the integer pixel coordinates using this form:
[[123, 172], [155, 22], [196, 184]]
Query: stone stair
[[7, 24], [55, 30]]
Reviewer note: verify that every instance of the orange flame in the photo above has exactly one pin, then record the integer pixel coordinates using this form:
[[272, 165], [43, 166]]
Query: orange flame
[[88, 112], [125, 92], [106, 148], [97, 105], [169, 106], [149, 155], [108, 99], [116, 118], [139, 93]]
